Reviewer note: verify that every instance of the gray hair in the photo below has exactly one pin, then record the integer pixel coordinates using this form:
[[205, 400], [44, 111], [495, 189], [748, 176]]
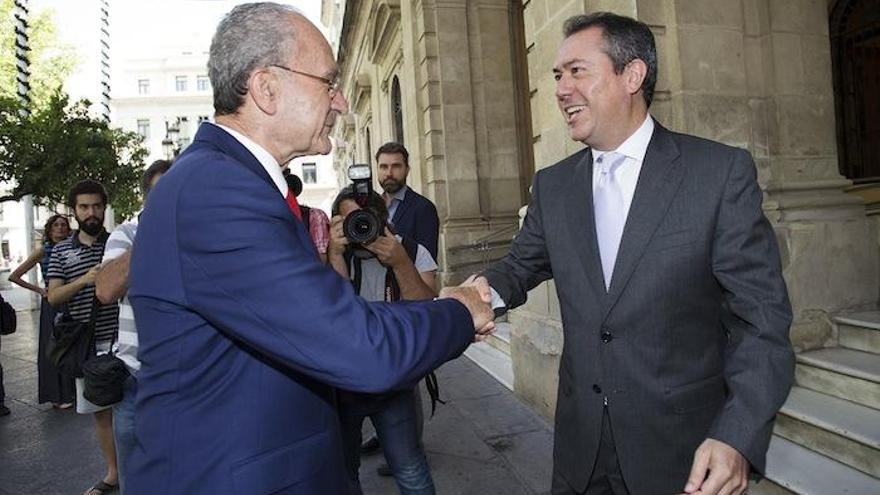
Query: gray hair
[[250, 36], [626, 39]]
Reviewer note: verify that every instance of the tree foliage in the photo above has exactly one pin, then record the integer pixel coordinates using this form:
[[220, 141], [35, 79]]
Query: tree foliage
[[51, 61], [46, 152]]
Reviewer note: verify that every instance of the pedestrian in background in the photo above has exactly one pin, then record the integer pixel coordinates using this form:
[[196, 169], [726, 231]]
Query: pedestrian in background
[[111, 284], [400, 269], [412, 216], [315, 220], [72, 270], [52, 386]]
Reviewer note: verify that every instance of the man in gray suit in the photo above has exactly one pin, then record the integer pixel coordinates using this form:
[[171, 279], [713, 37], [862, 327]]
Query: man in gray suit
[[674, 309]]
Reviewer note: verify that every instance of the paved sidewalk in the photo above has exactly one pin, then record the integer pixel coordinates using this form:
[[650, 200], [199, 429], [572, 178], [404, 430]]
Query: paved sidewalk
[[483, 441]]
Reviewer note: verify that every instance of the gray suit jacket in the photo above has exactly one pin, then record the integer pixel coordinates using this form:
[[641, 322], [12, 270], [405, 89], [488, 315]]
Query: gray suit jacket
[[691, 340]]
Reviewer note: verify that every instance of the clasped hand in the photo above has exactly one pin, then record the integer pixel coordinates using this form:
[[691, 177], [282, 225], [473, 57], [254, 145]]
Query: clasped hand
[[476, 295]]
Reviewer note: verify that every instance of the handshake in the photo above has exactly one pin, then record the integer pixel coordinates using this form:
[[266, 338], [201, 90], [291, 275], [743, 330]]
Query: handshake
[[476, 295]]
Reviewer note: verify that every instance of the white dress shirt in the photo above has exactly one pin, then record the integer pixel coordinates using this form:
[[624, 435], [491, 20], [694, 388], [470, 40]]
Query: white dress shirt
[[634, 149], [264, 157], [627, 175]]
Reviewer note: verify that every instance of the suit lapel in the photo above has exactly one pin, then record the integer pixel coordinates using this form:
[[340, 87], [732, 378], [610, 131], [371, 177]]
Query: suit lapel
[[658, 182], [408, 200], [579, 209]]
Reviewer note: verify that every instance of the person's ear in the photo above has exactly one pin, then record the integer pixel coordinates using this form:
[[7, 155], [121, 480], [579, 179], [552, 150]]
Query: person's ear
[[263, 89], [635, 73]]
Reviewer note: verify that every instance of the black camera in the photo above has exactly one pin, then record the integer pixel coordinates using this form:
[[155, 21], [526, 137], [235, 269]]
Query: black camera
[[365, 225]]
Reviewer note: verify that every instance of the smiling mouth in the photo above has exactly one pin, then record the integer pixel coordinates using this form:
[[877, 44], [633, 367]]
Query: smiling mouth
[[572, 111]]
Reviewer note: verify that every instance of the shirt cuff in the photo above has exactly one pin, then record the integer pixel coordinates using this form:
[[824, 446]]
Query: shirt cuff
[[497, 302]]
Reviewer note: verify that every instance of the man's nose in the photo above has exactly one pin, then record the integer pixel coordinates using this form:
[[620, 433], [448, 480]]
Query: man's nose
[[339, 103], [563, 87]]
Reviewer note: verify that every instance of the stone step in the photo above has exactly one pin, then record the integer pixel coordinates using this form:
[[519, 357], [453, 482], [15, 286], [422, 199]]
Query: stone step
[[860, 331], [844, 373], [493, 361], [796, 469], [836, 428], [500, 339]]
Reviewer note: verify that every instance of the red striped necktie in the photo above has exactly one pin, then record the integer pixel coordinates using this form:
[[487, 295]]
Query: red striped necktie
[[294, 206]]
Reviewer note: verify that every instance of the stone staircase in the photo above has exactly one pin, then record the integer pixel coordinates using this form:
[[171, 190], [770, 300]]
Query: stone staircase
[[493, 355], [827, 435]]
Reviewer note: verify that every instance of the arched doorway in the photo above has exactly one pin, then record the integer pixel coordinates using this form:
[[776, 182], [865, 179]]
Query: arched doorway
[[854, 27]]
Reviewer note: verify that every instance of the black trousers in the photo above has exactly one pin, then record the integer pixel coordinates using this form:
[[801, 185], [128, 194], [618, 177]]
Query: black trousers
[[606, 478]]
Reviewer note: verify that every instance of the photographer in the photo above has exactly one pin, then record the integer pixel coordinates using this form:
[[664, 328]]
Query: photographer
[[389, 268]]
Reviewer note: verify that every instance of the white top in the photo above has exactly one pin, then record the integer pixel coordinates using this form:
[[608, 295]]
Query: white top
[[120, 241], [627, 174], [264, 157], [373, 273]]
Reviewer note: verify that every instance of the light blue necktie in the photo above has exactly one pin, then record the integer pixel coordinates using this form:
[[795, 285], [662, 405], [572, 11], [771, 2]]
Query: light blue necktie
[[609, 210]]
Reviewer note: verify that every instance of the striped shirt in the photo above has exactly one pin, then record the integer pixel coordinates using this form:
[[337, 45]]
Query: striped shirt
[[70, 260], [118, 243]]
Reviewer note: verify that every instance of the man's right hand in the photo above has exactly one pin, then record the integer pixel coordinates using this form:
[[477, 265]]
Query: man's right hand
[[476, 300]]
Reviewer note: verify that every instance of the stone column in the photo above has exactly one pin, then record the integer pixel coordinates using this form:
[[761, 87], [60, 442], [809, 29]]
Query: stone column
[[467, 146]]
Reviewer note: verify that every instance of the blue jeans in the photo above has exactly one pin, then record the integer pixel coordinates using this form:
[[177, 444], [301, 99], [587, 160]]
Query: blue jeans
[[394, 416], [123, 428]]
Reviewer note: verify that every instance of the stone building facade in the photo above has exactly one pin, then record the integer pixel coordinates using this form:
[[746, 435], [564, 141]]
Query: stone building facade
[[467, 86]]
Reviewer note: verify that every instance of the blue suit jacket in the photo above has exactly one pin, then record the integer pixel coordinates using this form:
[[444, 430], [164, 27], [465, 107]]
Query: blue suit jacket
[[416, 218], [244, 335]]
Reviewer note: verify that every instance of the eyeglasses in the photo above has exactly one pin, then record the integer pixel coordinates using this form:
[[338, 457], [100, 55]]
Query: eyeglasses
[[332, 84]]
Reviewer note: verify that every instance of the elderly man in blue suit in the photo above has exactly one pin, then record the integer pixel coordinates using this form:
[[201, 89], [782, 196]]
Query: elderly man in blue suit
[[243, 333]]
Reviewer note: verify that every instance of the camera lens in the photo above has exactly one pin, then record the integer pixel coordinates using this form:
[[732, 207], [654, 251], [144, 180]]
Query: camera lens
[[362, 227]]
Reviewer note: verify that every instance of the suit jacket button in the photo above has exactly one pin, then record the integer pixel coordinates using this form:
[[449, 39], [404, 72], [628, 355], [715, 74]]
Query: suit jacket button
[[607, 336], [597, 388]]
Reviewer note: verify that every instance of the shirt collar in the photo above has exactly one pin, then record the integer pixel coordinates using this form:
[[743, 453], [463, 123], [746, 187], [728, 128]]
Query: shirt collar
[[264, 157], [400, 194], [74, 239], [636, 145]]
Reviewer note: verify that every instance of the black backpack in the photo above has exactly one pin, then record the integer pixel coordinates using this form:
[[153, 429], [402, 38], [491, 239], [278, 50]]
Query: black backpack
[[8, 320]]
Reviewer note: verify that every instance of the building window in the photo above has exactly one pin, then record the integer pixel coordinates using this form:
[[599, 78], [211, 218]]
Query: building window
[[143, 86], [144, 128], [202, 83], [180, 83], [396, 110], [310, 173], [203, 118]]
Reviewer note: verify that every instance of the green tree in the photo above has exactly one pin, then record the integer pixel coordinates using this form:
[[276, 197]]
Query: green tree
[[50, 61], [58, 144]]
